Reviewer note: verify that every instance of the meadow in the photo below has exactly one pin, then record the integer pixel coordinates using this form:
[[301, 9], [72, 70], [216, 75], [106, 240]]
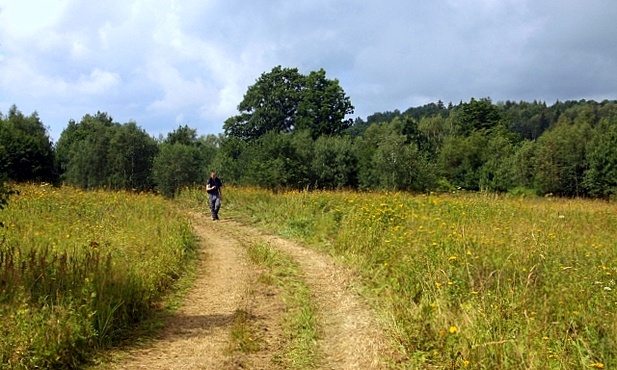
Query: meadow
[[79, 269], [465, 280]]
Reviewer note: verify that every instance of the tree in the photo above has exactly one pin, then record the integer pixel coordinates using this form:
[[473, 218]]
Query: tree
[[275, 161], [284, 100], [26, 152], [497, 171], [388, 160], [97, 152], [461, 158], [435, 129], [601, 177], [323, 106], [131, 154], [561, 158], [82, 151], [523, 165], [183, 160], [176, 166], [334, 163], [182, 135], [477, 115], [230, 160]]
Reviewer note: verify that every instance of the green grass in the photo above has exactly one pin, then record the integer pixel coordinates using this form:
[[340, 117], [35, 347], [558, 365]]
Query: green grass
[[471, 280], [299, 322], [79, 269]]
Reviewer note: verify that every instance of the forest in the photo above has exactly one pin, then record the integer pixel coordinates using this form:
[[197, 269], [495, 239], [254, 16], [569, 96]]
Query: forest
[[292, 132]]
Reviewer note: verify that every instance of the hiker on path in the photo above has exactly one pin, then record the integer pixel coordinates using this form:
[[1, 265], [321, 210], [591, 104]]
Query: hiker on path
[[215, 194]]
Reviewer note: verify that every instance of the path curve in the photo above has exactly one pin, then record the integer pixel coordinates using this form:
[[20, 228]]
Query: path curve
[[351, 338], [198, 335]]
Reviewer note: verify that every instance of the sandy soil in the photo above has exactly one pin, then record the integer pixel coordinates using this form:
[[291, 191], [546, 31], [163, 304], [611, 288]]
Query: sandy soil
[[198, 335]]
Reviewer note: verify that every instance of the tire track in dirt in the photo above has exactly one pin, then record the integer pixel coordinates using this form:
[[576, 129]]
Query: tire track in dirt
[[350, 336], [198, 335]]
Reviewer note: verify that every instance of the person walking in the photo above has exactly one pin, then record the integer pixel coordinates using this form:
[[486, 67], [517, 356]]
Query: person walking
[[215, 194]]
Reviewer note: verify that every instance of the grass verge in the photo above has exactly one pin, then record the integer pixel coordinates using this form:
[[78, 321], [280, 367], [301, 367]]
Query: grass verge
[[299, 322], [80, 269]]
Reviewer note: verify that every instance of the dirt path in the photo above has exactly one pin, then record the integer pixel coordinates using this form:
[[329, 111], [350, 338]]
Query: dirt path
[[350, 336], [198, 336]]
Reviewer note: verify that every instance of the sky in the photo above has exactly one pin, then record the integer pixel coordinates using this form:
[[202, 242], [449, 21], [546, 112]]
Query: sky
[[170, 63]]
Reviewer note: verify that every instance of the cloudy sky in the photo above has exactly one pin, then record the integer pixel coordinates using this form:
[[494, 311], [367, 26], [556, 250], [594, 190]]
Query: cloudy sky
[[165, 63]]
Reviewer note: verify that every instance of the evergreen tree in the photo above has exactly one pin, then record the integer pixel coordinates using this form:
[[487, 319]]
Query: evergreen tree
[[601, 177]]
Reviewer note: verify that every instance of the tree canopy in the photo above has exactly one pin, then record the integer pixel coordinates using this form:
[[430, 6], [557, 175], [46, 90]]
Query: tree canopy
[[284, 100], [26, 152]]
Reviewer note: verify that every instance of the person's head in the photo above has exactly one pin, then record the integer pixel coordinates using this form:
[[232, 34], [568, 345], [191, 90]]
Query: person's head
[[213, 175]]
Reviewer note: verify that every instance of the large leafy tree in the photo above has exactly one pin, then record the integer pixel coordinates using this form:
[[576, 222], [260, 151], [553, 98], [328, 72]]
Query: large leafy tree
[[284, 100], [323, 106], [82, 150], [26, 152]]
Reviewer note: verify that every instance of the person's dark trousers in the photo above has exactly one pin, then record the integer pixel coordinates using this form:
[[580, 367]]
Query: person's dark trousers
[[215, 205]]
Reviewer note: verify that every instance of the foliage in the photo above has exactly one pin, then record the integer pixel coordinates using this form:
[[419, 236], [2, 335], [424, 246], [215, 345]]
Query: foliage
[[497, 173], [334, 164], [323, 106], [461, 158], [98, 152], [77, 269], [230, 160], [477, 115], [26, 152], [5, 193], [274, 162], [176, 166], [284, 100], [601, 176], [561, 159]]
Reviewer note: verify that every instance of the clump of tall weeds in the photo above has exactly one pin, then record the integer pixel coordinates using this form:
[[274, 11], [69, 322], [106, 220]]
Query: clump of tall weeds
[[77, 269]]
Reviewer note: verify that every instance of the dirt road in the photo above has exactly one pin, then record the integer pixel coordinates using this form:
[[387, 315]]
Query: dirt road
[[198, 335]]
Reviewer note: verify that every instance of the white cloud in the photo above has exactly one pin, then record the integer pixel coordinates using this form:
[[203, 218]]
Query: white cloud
[[98, 82], [163, 62], [28, 17]]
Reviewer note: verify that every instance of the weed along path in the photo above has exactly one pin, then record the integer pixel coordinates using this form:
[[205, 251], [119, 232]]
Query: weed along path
[[236, 314]]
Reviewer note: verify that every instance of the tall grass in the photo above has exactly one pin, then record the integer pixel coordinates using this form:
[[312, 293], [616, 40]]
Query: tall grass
[[471, 280], [78, 268]]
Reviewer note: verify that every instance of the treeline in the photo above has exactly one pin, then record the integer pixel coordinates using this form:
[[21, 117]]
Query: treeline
[[567, 149], [291, 133], [99, 153]]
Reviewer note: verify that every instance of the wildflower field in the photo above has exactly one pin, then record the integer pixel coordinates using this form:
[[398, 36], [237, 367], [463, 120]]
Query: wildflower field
[[466, 280], [77, 269]]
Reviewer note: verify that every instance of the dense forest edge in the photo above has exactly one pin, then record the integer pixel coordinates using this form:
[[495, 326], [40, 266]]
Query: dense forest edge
[[292, 133]]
